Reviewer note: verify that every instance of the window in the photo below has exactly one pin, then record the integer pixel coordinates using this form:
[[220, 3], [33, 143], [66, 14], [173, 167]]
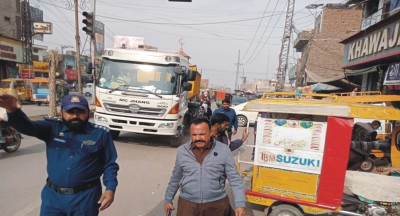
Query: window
[[371, 7]]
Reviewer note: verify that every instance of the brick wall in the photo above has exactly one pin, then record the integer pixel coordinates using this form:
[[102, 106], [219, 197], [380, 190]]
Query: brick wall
[[341, 20]]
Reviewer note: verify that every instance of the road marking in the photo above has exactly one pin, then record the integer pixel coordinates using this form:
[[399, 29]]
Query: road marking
[[28, 209]]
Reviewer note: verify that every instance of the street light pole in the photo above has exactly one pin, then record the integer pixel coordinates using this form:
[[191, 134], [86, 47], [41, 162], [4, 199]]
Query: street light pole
[[78, 48]]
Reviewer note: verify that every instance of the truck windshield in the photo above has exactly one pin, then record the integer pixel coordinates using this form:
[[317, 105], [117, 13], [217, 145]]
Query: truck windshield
[[160, 79]]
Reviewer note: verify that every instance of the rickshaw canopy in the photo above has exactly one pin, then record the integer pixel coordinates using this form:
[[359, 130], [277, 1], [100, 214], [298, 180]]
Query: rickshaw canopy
[[323, 108]]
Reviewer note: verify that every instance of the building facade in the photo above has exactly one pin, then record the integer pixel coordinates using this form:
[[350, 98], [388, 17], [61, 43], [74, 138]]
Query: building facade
[[371, 57], [321, 49]]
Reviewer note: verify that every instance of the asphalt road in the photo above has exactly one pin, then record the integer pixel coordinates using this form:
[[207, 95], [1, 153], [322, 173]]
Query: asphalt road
[[145, 163]]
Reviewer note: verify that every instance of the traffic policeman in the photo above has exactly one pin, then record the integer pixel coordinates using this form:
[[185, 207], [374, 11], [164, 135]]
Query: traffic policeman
[[78, 154]]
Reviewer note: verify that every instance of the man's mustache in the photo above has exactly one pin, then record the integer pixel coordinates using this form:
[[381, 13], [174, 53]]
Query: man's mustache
[[197, 141], [75, 119]]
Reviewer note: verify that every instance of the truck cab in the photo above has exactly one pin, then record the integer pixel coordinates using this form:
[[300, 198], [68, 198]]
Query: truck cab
[[143, 91]]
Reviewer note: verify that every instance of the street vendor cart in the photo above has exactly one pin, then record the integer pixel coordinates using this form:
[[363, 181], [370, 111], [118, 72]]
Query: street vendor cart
[[301, 154]]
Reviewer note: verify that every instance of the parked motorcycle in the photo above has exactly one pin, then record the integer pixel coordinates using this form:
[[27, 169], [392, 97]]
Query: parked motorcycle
[[10, 139]]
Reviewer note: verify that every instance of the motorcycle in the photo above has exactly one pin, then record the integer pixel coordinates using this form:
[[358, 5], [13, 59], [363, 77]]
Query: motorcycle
[[10, 139]]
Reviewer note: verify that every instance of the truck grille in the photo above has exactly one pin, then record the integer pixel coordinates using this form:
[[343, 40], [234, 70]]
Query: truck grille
[[117, 108]]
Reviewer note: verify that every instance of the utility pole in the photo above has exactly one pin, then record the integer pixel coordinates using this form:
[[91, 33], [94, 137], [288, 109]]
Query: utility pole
[[237, 72], [267, 66], [93, 51], [54, 59], [284, 54], [26, 33], [78, 49]]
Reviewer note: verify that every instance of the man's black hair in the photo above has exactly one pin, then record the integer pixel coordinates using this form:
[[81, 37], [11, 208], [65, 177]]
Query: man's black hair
[[219, 118], [226, 101], [198, 121], [376, 122]]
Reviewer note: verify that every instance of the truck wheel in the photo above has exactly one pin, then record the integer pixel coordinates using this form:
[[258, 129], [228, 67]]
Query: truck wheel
[[114, 134], [285, 210], [39, 103], [175, 141]]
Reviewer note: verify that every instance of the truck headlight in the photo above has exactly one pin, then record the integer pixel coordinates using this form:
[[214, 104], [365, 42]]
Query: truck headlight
[[100, 118], [166, 125]]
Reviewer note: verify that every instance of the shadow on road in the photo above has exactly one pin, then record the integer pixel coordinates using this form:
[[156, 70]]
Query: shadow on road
[[38, 148], [148, 140]]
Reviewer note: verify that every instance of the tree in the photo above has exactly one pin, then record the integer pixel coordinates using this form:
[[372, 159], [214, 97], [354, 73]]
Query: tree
[[54, 58]]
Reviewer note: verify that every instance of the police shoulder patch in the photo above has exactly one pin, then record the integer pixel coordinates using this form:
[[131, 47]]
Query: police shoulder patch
[[51, 118]]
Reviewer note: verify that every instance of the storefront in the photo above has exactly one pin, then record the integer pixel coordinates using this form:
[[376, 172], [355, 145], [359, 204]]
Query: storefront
[[369, 53], [39, 70], [10, 54]]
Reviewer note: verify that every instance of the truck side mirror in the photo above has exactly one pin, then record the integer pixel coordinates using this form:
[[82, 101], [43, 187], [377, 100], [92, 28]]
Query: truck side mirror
[[89, 68], [178, 70], [192, 75], [187, 86]]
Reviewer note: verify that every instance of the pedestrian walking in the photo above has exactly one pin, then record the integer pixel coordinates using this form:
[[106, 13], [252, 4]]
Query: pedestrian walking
[[201, 169], [219, 124], [233, 122], [78, 154]]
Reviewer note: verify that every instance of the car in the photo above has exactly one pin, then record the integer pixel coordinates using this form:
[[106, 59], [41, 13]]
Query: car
[[236, 100], [244, 117], [88, 90]]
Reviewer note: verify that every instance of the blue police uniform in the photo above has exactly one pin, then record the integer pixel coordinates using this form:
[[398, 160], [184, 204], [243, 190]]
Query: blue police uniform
[[75, 163]]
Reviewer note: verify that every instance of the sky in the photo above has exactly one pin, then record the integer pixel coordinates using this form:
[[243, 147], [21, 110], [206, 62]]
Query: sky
[[212, 31]]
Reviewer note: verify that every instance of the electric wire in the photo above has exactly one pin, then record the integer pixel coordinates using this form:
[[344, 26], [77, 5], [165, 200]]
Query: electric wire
[[255, 33]]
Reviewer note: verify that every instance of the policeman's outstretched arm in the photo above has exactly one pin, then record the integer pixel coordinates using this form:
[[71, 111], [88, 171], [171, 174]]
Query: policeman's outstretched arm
[[19, 120], [9, 102]]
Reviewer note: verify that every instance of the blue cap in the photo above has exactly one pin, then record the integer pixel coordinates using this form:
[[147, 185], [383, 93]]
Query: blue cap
[[74, 101]]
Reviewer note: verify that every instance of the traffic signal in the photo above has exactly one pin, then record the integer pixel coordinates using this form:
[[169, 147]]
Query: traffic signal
[[89, 22]]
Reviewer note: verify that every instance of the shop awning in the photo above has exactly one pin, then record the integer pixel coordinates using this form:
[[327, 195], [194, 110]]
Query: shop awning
[[362, 71]]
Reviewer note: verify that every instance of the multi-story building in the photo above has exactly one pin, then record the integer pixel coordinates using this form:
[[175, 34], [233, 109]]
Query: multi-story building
[[11, 51], [371, 56], [321, 50]]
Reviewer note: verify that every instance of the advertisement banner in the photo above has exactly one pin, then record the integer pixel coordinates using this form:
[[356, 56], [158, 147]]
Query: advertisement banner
[[71, 74], [27, 74], [392, 75], [293, 145], [99, 38], [128, 42]]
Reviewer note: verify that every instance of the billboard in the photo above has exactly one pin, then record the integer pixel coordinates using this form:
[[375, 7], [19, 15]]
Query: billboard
[[392, 75], [128, 42], [293, 145], [99, 37], [10, 50]]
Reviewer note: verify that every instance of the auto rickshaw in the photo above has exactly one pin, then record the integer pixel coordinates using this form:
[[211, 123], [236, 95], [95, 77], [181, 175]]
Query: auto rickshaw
[[20, 88], [301, 154], [41, 91]]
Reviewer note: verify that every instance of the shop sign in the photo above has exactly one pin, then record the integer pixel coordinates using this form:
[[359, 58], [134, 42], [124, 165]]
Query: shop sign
[[375, 45], [392, 75], [71, 74], [127, 42], [10, 50]]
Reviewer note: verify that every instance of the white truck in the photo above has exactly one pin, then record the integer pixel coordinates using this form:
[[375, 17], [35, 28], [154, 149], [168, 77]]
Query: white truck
[[144, 91]]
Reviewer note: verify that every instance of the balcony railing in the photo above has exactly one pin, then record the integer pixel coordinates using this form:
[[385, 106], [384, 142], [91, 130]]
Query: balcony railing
[[372, 19]]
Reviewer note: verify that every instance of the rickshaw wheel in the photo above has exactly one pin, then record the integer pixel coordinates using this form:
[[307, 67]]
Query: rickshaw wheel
[[367, 165], [285, 210]]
